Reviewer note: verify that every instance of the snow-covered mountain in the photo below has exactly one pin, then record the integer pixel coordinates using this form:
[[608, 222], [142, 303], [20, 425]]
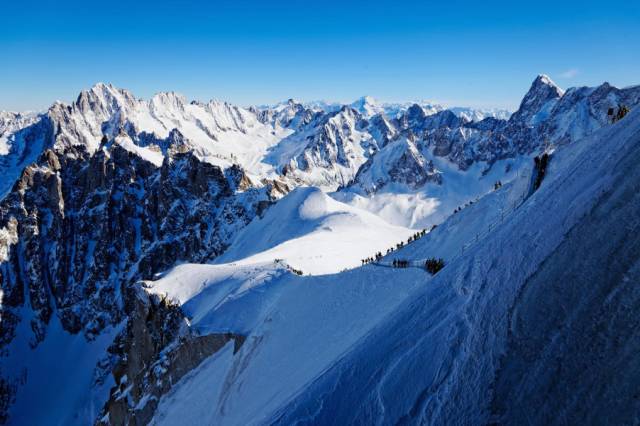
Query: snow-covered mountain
[[538, 102], [514, 330], [224, 205], [297, 144], [22, 138], [369, 107], [530, 325], [488, 150]]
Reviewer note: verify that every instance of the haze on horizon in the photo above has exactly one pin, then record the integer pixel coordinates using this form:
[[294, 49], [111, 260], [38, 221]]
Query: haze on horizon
[[249, 52]]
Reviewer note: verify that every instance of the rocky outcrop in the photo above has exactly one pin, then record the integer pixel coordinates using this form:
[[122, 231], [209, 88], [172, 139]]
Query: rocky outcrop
[[77, 231], [80, 228], [399, 162], [538, 102], [290, 114], [154, 352]]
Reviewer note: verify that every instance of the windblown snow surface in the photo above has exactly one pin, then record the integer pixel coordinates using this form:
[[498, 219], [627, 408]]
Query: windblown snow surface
[[314, 233], [533, 320]]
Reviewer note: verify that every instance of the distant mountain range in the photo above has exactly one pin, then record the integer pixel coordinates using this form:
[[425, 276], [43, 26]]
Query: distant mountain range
[[369, 106], [101, 194]]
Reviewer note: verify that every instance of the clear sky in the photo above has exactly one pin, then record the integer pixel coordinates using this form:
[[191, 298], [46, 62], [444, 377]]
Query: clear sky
[[476, 53]]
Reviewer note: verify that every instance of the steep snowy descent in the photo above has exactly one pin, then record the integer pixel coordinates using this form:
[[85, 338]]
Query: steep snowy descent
[[538, 332], [397, 345]]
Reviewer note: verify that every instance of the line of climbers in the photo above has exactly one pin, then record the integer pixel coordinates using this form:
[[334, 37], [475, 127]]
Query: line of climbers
[[459, 209], [376, 257], [295, 271], [289, 267], [431, 265], [397, 263]]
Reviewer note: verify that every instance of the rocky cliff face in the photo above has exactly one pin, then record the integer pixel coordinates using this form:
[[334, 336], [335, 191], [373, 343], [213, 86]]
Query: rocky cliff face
[[155, 350], [80, 228], [77, 232], [399, 162], [291, 114]]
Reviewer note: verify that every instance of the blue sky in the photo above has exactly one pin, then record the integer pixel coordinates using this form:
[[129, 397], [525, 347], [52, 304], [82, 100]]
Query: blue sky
[[476, 53]]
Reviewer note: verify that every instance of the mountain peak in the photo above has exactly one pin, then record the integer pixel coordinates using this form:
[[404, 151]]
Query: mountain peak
[[101, 86], [106, 90], [367, 106], [366, 100], [544, 80], [104, 98], [538, 101], [290, 103], [293, 103], [169, 98]]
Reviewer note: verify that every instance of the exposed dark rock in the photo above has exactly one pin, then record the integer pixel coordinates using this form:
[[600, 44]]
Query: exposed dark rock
[[156, 350], [87, 226]]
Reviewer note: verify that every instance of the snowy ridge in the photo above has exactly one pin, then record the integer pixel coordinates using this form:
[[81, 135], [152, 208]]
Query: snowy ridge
[[483, 327], [355, 347], [216, 131], [174, 233], [313, 233]]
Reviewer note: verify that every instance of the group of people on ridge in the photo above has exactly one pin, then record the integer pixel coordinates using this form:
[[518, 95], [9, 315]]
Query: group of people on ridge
[[376, 257], [397, 263]]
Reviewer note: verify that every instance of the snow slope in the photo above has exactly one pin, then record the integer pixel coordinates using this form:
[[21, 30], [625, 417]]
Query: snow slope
[[325, 315], [58, 378], [506, 326], [329, 331], [22, 139], [432, 203], [314, 233], [528, 327]]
